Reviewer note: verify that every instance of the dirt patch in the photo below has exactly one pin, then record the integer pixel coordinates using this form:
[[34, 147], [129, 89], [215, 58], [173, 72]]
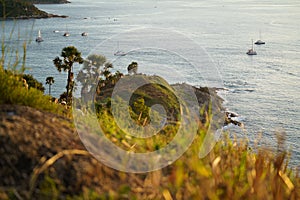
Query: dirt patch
[[30, 138]]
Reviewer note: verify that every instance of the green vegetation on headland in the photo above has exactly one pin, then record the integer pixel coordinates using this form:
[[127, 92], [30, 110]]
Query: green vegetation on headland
[[42, 156], [22, 9]]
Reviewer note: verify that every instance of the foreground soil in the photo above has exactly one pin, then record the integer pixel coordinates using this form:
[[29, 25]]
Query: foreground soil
[[42, 157]]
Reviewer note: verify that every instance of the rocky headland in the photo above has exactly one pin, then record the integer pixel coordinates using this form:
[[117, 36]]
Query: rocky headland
[[25, 9]]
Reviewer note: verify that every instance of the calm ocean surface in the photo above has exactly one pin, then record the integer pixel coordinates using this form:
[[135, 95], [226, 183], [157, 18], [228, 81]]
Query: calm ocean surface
[[263, 89]]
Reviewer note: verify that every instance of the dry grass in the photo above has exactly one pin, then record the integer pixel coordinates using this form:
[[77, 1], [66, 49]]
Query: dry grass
[[53, 169]]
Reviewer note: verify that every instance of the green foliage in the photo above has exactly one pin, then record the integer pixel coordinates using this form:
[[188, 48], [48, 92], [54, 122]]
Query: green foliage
[[14, 92], [48, 189], [33, 83], [70, 55], [49, 81], [140, 112]]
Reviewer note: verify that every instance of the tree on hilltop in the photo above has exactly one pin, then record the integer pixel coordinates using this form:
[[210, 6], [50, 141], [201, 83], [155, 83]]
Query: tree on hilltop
[[49, 81], [70, 55]]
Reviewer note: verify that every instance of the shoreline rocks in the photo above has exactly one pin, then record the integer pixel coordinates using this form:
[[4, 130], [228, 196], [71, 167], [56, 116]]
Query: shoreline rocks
[[51, 2], [35, 17], [231, 118]]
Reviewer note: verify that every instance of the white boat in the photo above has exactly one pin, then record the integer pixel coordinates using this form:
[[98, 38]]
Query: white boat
[[39, 38], [84, 34], [66, 34], [251, 51], [259, 42], [119, 52]]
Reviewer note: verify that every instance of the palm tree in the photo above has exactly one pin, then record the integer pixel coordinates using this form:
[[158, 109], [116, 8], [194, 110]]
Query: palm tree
[[49, 81], [70, 56]]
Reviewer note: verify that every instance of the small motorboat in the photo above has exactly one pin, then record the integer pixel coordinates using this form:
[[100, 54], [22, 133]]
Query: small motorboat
[[84, 34], [120, 53], [259, 42], [66, 34]]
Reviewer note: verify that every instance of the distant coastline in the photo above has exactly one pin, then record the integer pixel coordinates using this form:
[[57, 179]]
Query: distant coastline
[[25, 9], [48, 15], [50, 1]]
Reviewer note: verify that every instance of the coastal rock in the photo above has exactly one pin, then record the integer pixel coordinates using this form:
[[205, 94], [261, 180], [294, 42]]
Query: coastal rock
[[13, 9], [38, 16], [49, 1], [231, 118]]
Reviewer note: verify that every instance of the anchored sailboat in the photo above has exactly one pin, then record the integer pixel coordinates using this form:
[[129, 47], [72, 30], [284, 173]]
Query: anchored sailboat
[[251, 51], [39, 38], [119, 52]]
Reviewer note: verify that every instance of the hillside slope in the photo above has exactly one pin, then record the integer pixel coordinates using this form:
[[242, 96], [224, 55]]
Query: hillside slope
[[29, 137]]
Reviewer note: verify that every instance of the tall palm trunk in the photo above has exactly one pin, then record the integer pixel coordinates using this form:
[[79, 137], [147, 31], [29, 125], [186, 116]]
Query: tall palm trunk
[[49, 89], [68, 85]]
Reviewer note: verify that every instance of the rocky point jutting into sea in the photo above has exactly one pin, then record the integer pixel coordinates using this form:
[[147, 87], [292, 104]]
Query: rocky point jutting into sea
[[25, 9]]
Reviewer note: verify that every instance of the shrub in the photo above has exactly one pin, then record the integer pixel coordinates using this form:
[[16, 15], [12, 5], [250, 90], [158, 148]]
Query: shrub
[[14, 92]]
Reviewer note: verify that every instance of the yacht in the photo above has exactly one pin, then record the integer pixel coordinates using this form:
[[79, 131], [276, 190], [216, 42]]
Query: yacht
[[39, 38], [251, 51], [119, 52]]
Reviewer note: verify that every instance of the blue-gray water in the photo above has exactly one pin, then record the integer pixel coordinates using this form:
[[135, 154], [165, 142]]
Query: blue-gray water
[[263, 89]]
